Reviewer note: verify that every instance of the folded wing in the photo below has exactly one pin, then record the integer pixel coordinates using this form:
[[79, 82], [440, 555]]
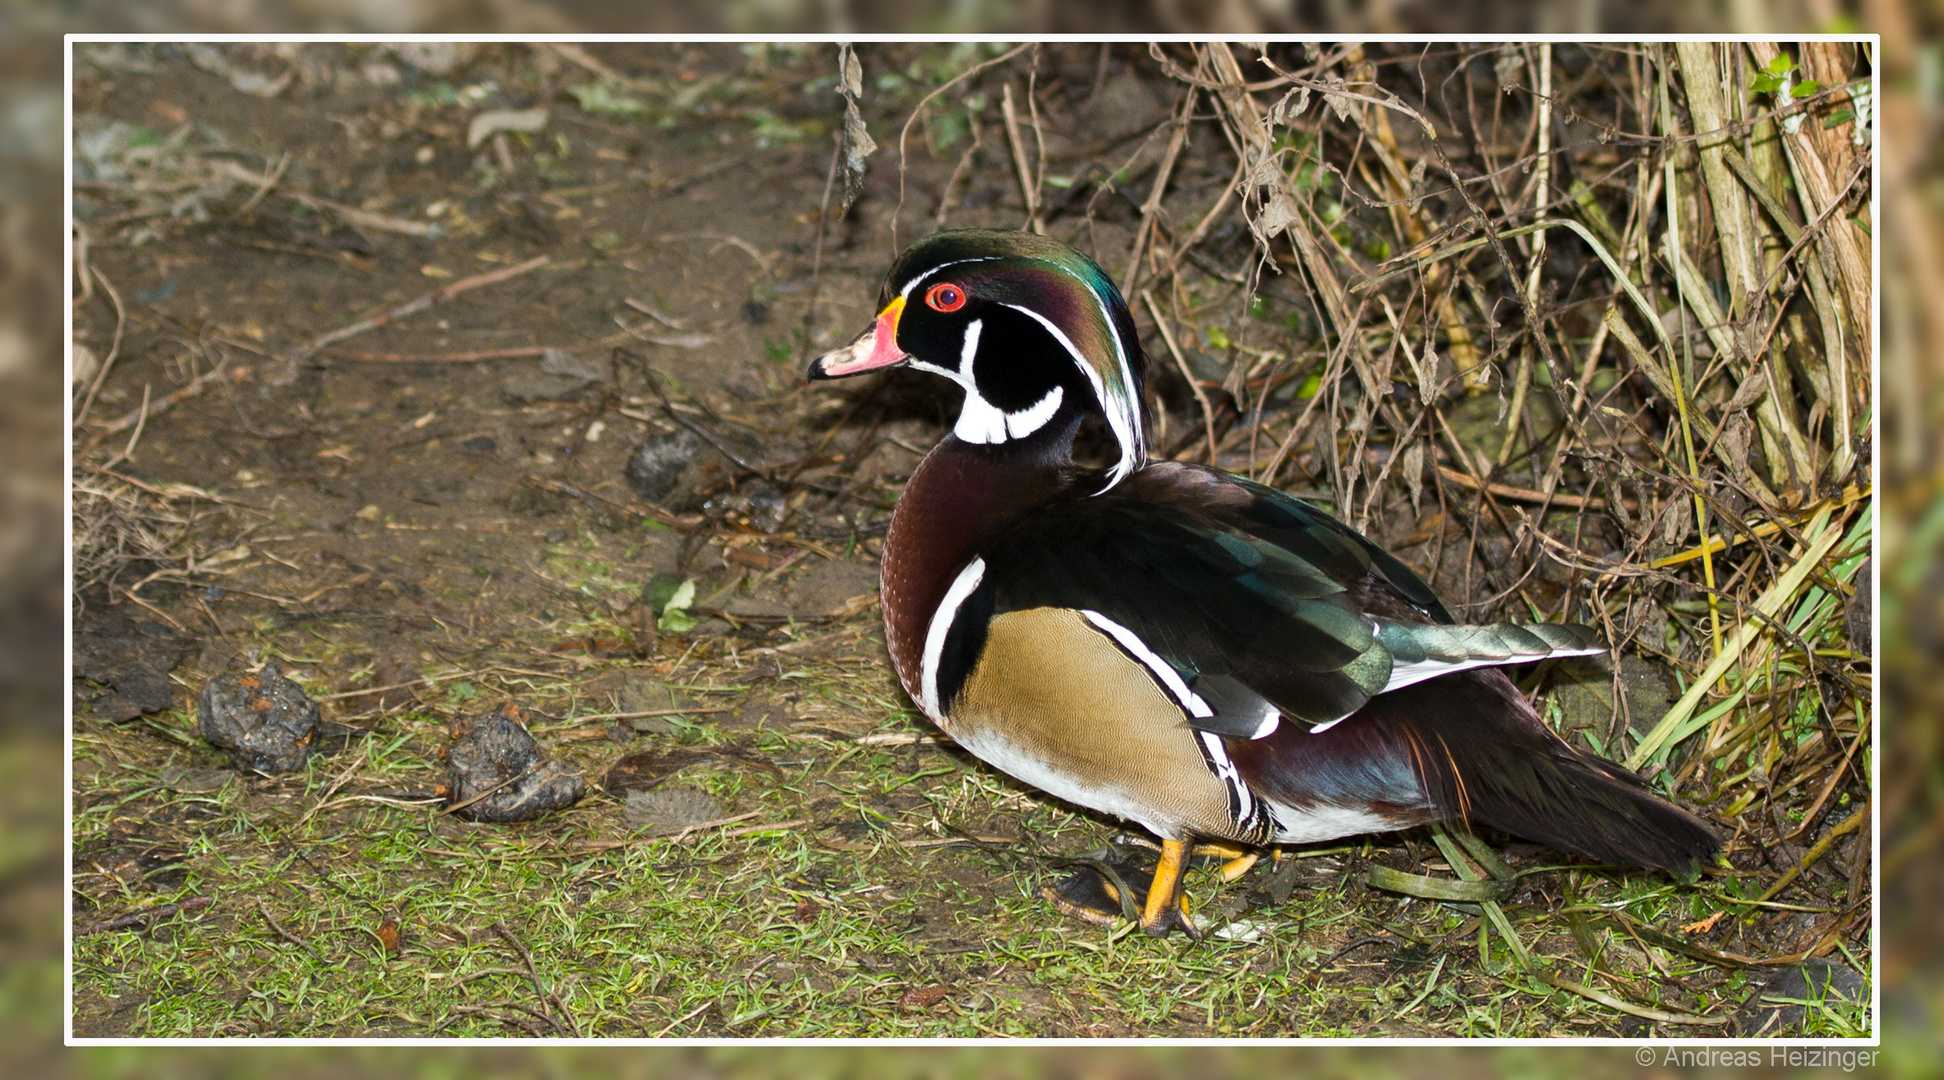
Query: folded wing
[[1260, 606]]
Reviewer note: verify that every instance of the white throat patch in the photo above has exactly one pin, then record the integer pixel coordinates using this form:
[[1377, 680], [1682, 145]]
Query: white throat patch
[[980, 421]]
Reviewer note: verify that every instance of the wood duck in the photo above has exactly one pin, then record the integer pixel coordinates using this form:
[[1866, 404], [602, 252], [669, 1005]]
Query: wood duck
[[1177, 646]]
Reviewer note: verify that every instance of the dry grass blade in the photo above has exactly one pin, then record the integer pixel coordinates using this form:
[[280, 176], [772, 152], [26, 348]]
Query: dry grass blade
[[1822, 535]]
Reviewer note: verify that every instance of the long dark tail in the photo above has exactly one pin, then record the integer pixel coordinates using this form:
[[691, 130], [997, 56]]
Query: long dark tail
[[1469, 746], [1487, 757]]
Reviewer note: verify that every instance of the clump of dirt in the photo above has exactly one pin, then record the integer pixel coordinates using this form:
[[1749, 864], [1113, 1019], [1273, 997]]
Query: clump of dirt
[[495, 771], [265, 721], [657, 464]]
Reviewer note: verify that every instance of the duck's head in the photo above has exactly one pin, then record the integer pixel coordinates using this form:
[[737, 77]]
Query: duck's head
[[1032, 329]]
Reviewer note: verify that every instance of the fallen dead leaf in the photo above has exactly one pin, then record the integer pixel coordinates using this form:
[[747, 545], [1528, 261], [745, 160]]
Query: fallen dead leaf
[[923, 997], [1702, 926]]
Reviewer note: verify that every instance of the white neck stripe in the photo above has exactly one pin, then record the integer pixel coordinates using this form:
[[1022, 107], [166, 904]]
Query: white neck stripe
[[1125, 423], [1033, 417]]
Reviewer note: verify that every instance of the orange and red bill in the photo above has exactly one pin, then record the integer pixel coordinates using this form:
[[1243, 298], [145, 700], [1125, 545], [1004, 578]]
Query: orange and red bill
[[873, 350]]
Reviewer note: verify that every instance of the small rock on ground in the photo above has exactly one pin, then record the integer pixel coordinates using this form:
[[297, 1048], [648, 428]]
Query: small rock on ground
[[495, 771], [266, 722]]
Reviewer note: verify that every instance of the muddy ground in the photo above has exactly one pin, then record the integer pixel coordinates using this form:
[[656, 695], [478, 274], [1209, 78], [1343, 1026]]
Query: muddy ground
[[596, 487]]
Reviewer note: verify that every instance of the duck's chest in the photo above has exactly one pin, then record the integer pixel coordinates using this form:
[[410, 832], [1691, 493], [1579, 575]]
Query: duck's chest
[[1057, 704], [959, 495], [1047, 697]]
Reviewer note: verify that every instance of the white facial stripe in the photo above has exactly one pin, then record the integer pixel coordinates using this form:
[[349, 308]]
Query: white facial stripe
[[979, 420], [1163, 671], [1033, 417], [914, 362], [969, 348], [968, 579], [913, 283], [1124, 422]]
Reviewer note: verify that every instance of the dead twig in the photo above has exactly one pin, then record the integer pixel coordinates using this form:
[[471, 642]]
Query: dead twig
[[691, 831], [816, 258], [137, 918], [114, 348], [533, 974], [576, 54], [429, 300], [651, 712], [1519, 494], [690, 1015], [279, 929], [343, 777], [436, 358], [655, 313], [271, 175], [366, 219], [1843, 828], [1151, 208], [504, 1018], [1181, 362], [919, 109], [1028, 189], [141, 422], [958, 172], [172, 399], [737, 242], [373, 690]]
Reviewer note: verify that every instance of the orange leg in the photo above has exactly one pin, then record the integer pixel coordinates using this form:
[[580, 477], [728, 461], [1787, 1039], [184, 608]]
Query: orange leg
[[1164, 910], [1237, 860], [1236, 867]]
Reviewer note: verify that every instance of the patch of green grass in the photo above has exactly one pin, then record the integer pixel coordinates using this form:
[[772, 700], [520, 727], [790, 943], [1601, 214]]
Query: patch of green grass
[[844, 904]]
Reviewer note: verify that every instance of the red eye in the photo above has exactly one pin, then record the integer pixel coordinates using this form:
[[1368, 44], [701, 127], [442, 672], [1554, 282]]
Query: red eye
[[945, 298]]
